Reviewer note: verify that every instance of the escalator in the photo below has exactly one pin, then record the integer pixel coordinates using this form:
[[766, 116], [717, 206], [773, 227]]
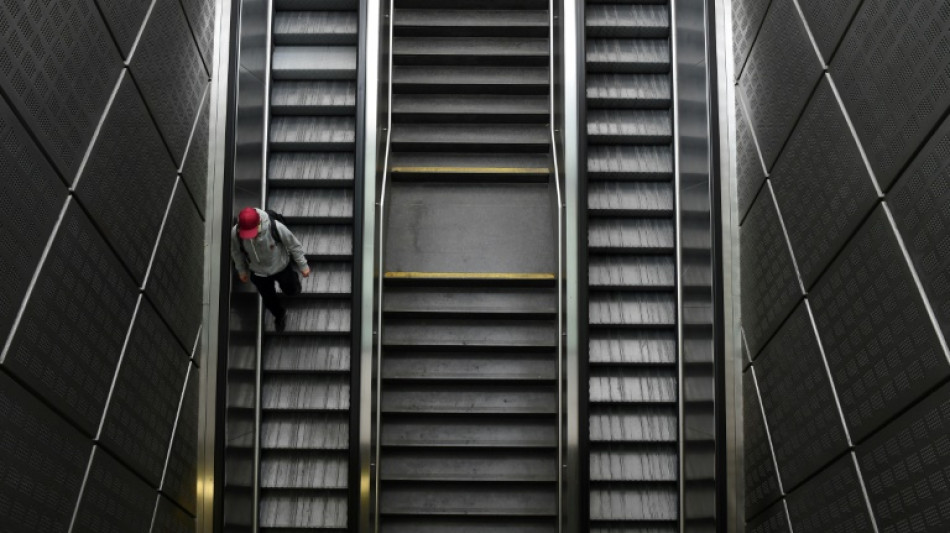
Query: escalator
[[305, 386], [469, 404], [633, 398]]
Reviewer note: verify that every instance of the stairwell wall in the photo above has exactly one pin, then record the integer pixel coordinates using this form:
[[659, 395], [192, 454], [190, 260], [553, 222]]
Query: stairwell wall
[[843, 155], [104, 108]]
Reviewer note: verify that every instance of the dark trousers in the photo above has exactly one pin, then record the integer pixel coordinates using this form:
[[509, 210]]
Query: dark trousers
[[289, 284]]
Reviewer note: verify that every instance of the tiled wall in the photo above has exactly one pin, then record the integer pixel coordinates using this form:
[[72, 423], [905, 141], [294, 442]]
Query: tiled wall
[[844, 196], [103, 164]]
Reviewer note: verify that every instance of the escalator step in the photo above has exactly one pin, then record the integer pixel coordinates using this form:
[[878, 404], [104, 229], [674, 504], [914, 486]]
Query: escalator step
[[627, 20], [449, 366], [321, 97], [629, 126], [463, 334], [480, 465], [315, 27], [470, 51], [470, 23], [637, 386], [634, 309], [306, 354], [289, 430], [630, 162], [312, 206], [471, 79], [280, 509], [453, 431], [611, 424], [468, 499], [627, 199], [629, 91], [651, 464], [470, 108], [653, 503], [631, 235], [304, 470], [316, 5], [313, 134], [482, 524], [327, 317], [314, 62], [501, 398], [330, 169], [326, 243], [628, 55], [471, 137], [293, 392], [630, 272]]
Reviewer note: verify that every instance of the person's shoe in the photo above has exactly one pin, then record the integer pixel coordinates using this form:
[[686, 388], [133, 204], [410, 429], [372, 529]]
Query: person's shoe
[[280, 322]]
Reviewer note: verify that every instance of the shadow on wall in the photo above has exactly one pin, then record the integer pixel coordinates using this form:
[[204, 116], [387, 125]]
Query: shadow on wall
[[843, 159], [103, 160]]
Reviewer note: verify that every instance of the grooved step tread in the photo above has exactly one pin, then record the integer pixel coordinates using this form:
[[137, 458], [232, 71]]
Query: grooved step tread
[[628, 55], [630, 163], [315, 27], [627, 20], [625, 199], [320, 97], [312, 169], [294, 62], [629, 91], [471, 137], [302, 206], [470, 50], [469, 22], [313, 133], [470, 107], [471, 79]]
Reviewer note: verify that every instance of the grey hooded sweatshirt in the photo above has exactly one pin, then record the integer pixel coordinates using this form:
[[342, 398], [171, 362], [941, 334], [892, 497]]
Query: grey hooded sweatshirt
[[267, 257]]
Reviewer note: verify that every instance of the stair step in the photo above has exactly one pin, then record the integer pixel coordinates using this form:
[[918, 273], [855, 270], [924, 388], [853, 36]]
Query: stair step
[[312, 206], [627, 20], [314, 63], [321, 97], [470, 108], [471, 137], [470, 167], [471, 79], [628, 55], [466, 499], [631, 235], [314, 134], [314, 317], [629, 91], [470, 23], [299, 169], [629, 199], [629, 127], [315, 27], [500, 398], [635, 163], [454, 431], [452, 366], [473, 465]]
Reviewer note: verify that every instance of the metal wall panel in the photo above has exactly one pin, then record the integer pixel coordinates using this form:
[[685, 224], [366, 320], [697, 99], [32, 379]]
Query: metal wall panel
[[750, 173], [747, 17], [782, 71], [31, 199], [179, 481], [44, 460], [831, 502], [144, 403], [176, 275], [893, 71], [125, 18], [70, 337], [773, 520], [822, 186], [114, 500], [200, 14], [770, 285], [127, 181], [907, 468], [798, 400], [761, 481], [169, 518], [920, 203], [194, 171], [58, 67], [168, 70], [881, 345], [828, 22]]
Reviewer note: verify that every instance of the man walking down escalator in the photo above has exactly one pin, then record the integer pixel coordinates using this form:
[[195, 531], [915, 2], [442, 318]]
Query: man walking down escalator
[[262, 249]]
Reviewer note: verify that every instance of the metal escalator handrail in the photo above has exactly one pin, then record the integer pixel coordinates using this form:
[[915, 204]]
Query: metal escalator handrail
[[380, 219], [560, 273]]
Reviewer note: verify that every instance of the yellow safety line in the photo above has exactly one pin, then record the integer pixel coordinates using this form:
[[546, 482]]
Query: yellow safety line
[[469, 275], [475, 170]]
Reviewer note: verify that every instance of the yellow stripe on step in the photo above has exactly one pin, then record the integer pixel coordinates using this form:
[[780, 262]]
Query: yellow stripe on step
[[469, 275], [473, 170]]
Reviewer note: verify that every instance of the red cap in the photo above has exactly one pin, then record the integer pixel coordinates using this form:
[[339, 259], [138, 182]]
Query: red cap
[[248, 221]]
